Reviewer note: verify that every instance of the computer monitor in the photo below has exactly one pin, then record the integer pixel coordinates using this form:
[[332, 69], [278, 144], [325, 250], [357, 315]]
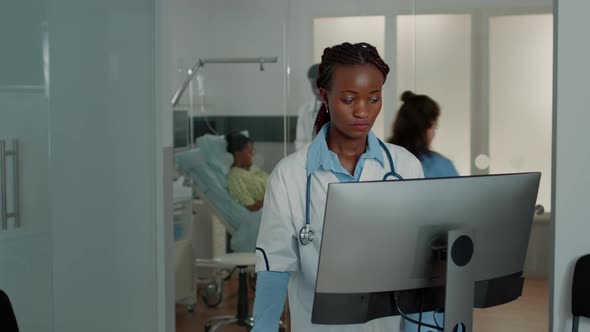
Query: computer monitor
[[180, 128], [384, 245]]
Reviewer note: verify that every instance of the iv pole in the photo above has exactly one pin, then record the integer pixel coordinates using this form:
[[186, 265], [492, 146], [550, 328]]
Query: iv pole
[[201, 62]]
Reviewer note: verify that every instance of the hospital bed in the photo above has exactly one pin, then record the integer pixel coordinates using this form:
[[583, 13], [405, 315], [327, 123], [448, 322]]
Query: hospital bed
[[206, 168], [184, 261]]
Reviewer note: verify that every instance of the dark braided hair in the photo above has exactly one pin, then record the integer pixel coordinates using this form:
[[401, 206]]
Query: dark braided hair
[[344, 54], [416, 115]]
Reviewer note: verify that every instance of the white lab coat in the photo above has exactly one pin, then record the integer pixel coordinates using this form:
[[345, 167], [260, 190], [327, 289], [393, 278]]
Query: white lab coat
[[283, 215], [305, 122]]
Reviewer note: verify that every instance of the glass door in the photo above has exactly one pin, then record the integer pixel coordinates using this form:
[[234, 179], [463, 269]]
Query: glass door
[[25, 228]]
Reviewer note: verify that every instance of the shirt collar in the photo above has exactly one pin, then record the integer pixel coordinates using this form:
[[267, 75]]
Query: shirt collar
[[319, 156]]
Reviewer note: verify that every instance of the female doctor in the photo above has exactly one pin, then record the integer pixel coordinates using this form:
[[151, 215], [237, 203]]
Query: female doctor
[[351, 77]]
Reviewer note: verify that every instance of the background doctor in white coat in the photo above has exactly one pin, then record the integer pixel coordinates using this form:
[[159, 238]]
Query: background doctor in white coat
[[308, 112]]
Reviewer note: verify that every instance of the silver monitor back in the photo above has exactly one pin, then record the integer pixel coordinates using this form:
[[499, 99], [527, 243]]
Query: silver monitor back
[[378, 236]]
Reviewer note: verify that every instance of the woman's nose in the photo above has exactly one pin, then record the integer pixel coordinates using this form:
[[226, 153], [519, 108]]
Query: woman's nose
[[361, 110]]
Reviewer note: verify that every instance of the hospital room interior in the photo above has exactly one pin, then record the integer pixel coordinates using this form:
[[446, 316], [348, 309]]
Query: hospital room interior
[[155, 174], [242, 67]]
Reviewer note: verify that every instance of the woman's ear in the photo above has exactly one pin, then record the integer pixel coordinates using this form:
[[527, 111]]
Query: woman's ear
[[324, 94]]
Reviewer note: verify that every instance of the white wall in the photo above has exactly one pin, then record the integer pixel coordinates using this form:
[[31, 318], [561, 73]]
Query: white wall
[[520, 97], [571, 178], [434, 58], [229, 28], [102, 165], [336, 30], [205, 28]]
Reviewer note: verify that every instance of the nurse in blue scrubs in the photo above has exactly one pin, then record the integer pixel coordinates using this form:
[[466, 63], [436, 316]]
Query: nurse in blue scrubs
[[414, 128]]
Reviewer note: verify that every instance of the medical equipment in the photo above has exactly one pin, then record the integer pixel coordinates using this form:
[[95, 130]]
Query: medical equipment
[[306, 234], [207, 168], [201, 62]]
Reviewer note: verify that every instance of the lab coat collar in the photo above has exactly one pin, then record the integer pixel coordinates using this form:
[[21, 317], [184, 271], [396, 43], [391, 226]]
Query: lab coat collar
[[319, 156]]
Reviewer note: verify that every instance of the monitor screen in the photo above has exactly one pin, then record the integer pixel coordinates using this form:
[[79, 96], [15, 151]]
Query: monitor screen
[[384, 237], [180, 128]]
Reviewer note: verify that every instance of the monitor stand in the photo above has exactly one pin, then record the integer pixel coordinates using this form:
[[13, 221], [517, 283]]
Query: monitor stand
[[460, 284]]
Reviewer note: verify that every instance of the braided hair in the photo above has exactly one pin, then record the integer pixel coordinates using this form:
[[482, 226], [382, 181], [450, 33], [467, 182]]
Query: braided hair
[[416, 115], [344, 54]]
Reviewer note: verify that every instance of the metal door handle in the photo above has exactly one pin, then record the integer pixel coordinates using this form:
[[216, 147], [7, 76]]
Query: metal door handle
[[4, 214], [16, 181]]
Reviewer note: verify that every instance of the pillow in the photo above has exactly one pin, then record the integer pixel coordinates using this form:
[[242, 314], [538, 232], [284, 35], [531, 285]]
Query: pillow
[[187, 161], [214, 151]]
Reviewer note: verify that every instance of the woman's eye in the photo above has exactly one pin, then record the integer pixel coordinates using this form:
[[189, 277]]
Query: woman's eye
[[348, 100], [375, 99]]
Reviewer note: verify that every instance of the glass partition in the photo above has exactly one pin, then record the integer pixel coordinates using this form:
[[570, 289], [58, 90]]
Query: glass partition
[[521, 73], [489, 65], [434, 58], [235, 53], [232, 90], [314, 25], [486, 63]]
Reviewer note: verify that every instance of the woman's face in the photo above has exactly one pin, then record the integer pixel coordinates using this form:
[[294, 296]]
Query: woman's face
[[246, 155], [430, 132], [354, 99]]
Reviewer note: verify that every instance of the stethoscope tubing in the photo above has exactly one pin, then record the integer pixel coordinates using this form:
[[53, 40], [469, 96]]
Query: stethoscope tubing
[[306, 233]]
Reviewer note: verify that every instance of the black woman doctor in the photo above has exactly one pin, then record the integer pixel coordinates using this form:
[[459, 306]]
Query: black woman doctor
[[351, 78]]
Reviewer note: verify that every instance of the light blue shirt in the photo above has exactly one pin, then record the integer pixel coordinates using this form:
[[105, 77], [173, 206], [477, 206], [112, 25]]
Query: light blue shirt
[[319, 156], [271, 286], [271, 292]]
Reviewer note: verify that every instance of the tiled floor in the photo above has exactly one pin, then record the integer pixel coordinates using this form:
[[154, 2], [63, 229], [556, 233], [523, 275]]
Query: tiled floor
[[527, 314]]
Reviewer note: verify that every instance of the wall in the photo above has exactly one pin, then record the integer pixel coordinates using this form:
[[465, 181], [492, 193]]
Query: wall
[[520, 97], [164, 167], [228, 28], [234, 28], [102, 165], [257, 27], [434, 58], [336, 30], [571, 178]]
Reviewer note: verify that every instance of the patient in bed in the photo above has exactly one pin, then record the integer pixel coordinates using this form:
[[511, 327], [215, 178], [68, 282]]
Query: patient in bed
[[246, 183]]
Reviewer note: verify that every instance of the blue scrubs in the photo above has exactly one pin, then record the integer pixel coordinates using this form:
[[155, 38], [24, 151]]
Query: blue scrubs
[[437, 166], [434, 166]]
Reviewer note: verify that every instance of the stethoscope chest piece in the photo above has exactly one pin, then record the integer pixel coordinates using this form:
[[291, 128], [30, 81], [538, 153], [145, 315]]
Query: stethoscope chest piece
[[306, 235]]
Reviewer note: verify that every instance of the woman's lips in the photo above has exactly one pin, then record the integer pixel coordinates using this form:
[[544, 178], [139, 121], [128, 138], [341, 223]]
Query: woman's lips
[[361, 126]]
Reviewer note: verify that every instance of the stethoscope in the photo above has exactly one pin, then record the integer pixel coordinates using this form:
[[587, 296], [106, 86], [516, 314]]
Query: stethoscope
[[306, 234]]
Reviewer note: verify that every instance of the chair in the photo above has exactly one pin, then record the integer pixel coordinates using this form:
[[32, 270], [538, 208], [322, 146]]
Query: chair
[[242, 261], [7, 318], [581, 291]]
